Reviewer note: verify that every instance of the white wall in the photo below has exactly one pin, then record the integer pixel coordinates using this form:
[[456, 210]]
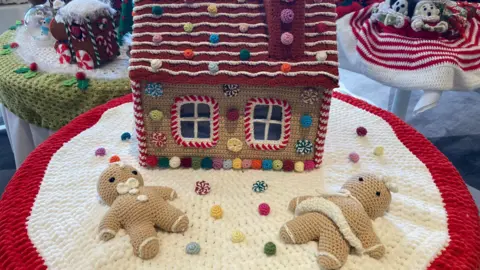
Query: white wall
[[10, 13]]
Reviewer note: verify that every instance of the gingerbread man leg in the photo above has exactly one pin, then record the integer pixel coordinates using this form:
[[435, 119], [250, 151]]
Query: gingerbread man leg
[[171, 219], [166, 193], [303, 229], [144, 240], [295, 201], [333, 249]]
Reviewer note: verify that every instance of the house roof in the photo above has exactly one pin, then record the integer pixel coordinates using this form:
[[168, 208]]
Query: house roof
[[166, 62], [78, 11]]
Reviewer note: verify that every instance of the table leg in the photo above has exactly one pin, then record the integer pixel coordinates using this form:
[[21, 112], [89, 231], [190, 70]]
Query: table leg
[[400, 102]]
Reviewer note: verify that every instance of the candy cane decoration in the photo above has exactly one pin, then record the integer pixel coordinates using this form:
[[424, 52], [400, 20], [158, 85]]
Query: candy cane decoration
[[65, 54], [110, 36], [101, 41], [84, 60], [94, 43], [67, 29], [114, 34]]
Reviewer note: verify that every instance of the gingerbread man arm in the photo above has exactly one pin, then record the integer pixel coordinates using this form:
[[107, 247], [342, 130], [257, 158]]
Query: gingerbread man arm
[[296, 201], [109, 226], [165, 192], [369, 239]]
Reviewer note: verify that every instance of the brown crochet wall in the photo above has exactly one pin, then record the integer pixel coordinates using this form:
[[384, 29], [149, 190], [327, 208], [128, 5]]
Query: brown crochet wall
[[229, 129]]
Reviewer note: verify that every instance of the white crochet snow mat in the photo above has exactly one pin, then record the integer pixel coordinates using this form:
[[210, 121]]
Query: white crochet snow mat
[[66, 214], [47, 59]]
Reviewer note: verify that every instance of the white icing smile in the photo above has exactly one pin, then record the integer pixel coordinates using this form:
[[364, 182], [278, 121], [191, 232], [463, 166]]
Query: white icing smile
[[130, 186]]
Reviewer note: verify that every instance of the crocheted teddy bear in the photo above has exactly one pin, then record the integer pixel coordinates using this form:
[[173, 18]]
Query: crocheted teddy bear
[[341, 221], [137, 208]]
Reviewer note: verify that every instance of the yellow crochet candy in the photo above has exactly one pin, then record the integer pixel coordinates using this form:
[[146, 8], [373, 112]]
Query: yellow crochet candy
[[237, 236], [378, 150], [156, 115], [237, 164], [234, 145], [216, 212], [299, 166], [277, 165], [188, 27], [212, 9]]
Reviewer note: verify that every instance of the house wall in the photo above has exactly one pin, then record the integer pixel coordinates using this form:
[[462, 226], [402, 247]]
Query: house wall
[[87, 45], [229, 129]]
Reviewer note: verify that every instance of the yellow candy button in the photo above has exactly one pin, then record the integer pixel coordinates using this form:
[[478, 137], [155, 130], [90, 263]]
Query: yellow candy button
[[234, 145]]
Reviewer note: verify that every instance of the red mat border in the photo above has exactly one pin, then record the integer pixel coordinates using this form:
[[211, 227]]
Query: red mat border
[[18, 252]]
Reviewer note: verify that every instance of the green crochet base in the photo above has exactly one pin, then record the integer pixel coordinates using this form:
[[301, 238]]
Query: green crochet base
[[43, 100]]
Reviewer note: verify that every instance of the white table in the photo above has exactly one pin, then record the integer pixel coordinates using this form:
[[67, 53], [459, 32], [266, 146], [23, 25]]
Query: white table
[[23, 136], [433, 80]]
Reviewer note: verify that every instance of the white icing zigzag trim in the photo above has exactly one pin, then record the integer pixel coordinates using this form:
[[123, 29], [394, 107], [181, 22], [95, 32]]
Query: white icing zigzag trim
[[199, 14], [196, 44], [234, 25], [176, 34], [137, 17], [236, 63], [197, 5], [236, 73], [236, 15], [196, 52], [229, 44], [199, 33], [252, 6], [156, 51]]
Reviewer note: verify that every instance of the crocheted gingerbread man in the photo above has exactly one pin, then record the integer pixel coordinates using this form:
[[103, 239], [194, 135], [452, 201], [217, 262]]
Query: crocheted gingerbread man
[[137, 208], [341, 221]]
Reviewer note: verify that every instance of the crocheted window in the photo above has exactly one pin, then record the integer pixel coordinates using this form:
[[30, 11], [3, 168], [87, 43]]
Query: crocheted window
[[267, 123], [195, 121]]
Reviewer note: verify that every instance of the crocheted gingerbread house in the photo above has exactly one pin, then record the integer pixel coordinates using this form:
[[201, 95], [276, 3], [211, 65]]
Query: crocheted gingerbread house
[[231, 80], [85, 31]]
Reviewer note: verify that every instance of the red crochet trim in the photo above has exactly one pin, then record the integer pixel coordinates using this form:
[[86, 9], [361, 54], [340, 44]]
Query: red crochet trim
[[265, 145], [18, 252], [175, 124], [16, 249], [322, 127], [139, 122]]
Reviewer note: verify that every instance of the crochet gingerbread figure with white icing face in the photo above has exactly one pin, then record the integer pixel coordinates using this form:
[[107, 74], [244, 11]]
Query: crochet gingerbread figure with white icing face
[[137, 208], [341, 221]]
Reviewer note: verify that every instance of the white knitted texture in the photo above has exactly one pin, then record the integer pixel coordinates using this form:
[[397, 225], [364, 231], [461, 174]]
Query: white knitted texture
[[65, 216], [47, 59], [440, 77], [78, 10]]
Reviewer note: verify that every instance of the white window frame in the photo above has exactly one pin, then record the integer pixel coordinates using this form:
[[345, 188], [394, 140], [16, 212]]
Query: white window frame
[[266, 144], [213, 119]]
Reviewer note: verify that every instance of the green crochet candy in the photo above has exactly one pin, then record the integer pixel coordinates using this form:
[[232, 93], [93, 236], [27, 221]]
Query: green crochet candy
[[157, 10], [196, 163], [244, 54], [270, 249], [277, 165], [163, 162]]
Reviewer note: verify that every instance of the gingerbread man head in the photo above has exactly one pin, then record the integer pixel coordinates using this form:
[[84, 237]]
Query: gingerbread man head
[[372, 191], [116, 180]]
